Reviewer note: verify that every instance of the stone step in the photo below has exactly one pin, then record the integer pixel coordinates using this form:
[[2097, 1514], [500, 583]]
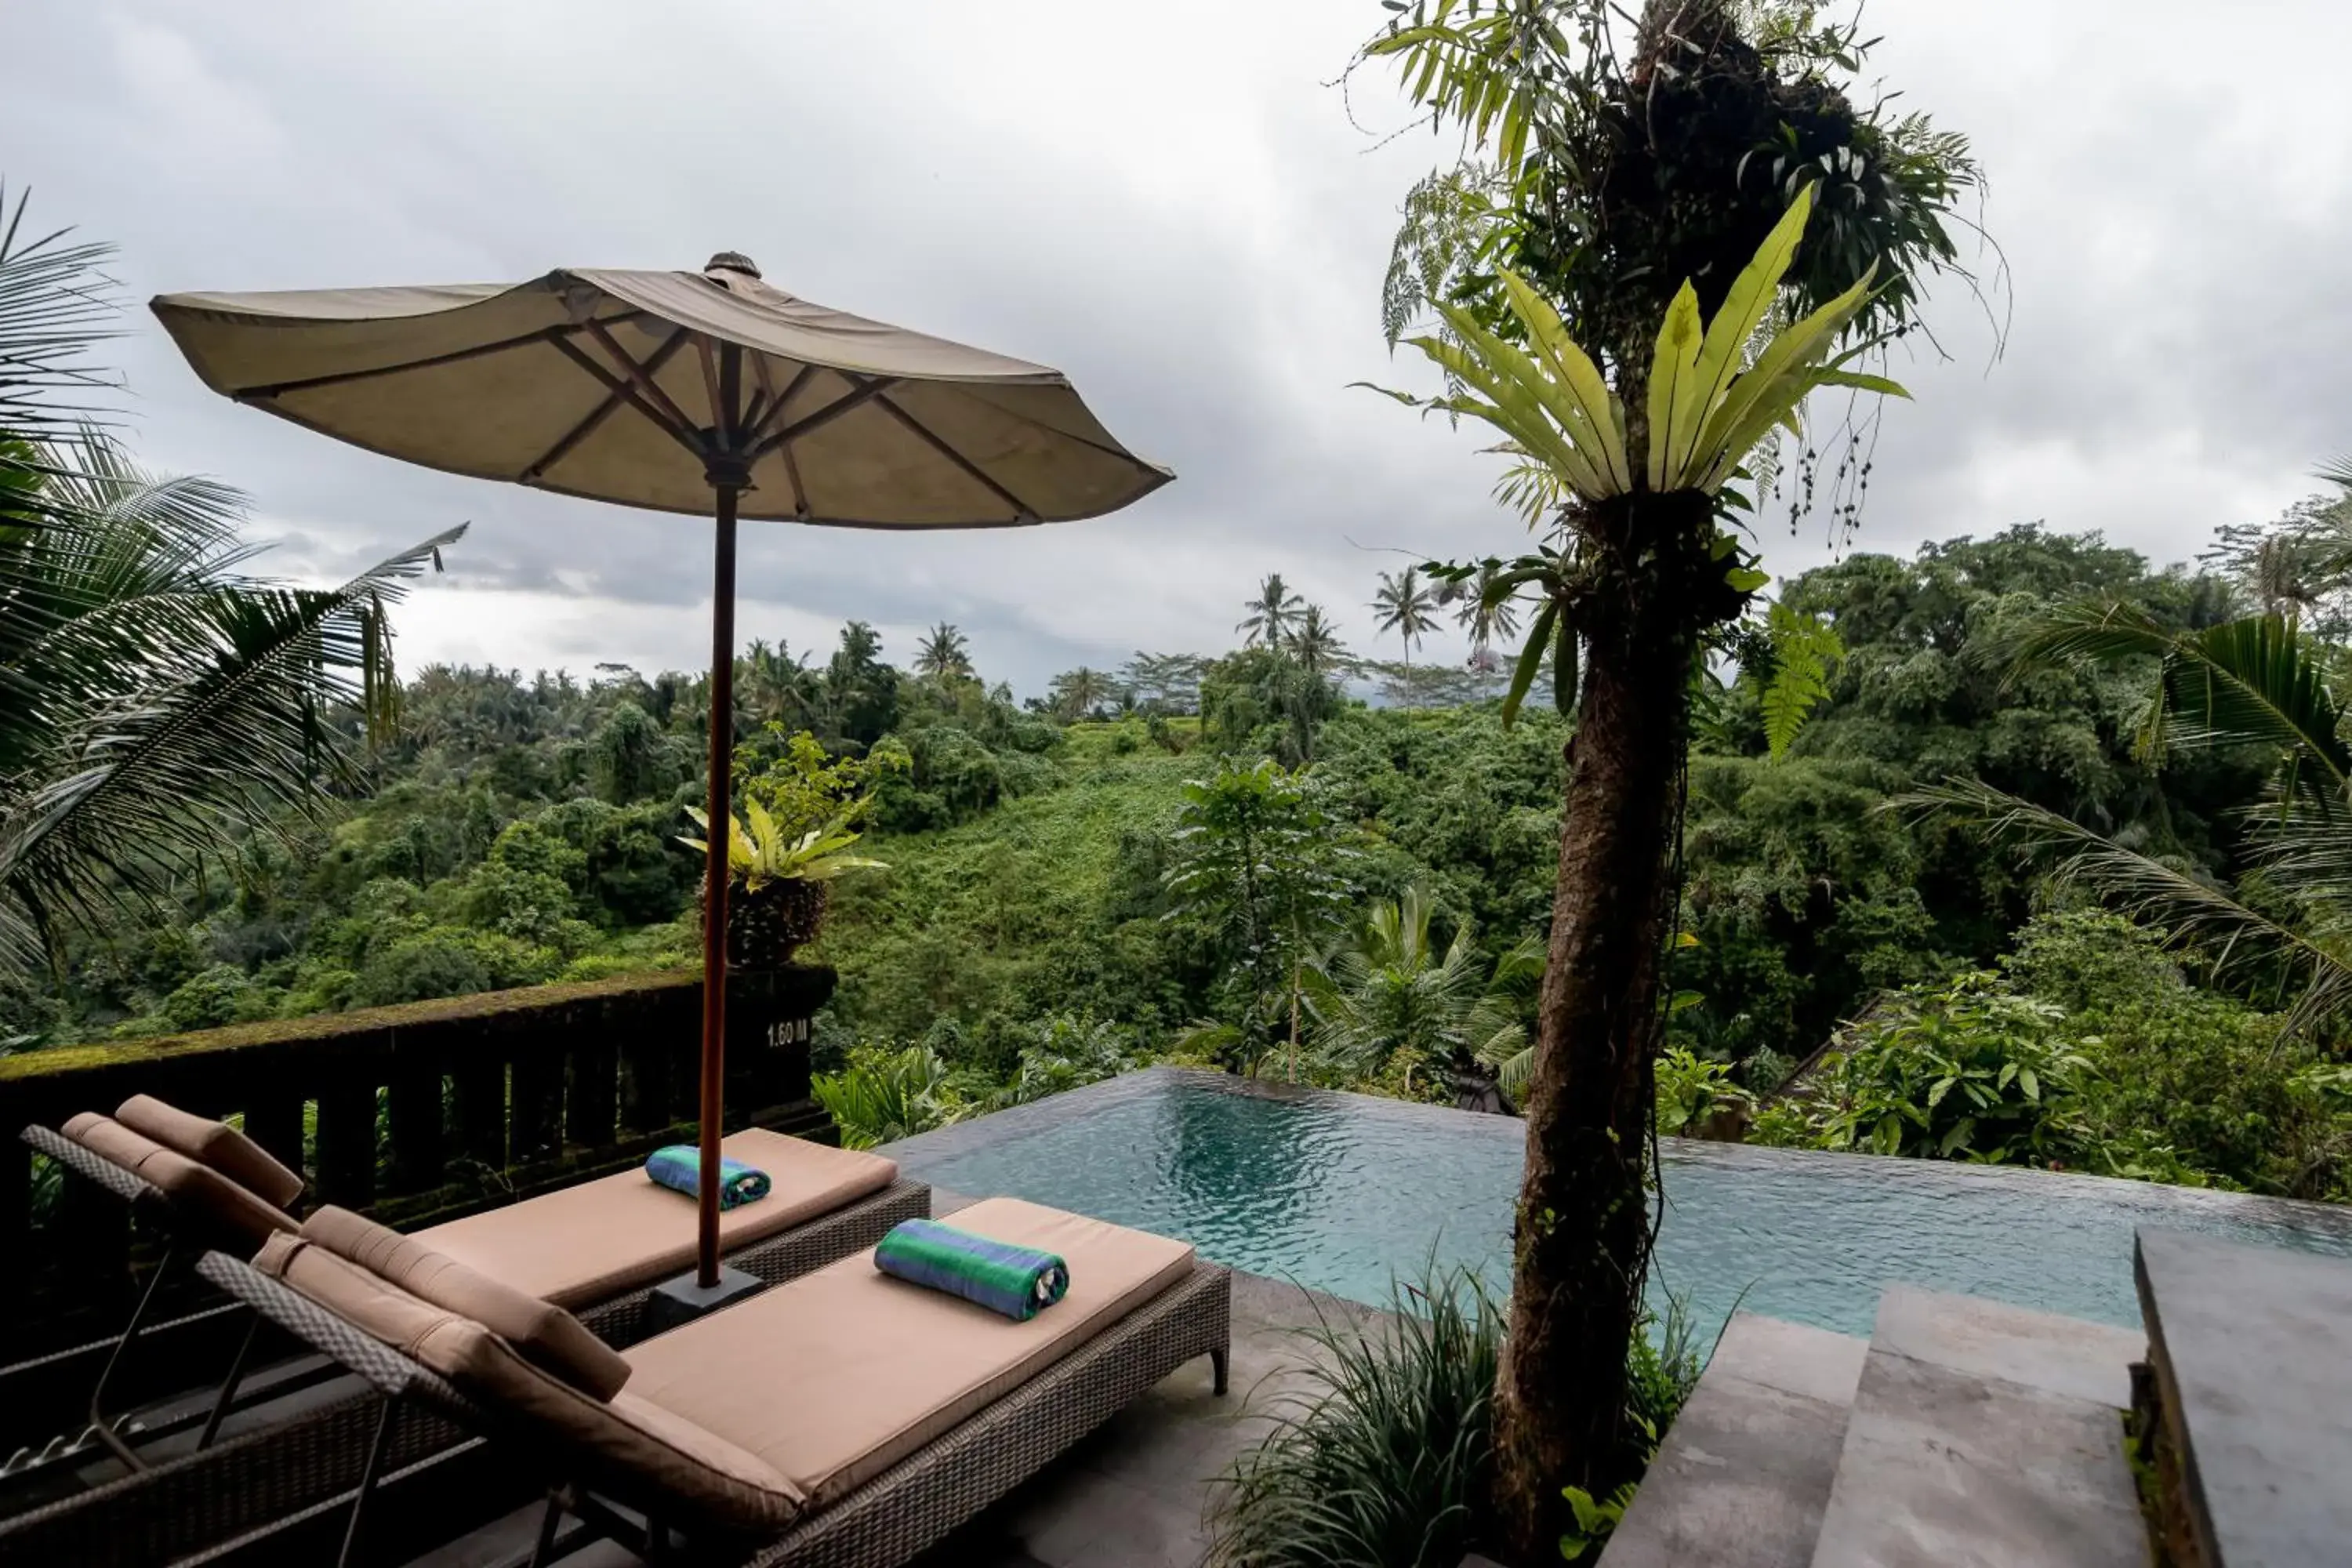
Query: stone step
[[1744, 1472], [1985, 1435], [2253, 1353]]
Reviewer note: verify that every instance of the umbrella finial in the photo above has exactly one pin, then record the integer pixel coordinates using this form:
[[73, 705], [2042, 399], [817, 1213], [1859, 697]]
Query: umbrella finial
[[733, 261]]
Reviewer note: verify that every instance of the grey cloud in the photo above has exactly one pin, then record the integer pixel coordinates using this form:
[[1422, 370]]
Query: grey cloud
[[1191, 227]]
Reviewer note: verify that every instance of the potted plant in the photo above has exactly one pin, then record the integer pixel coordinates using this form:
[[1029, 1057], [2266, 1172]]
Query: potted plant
[[800, 819]]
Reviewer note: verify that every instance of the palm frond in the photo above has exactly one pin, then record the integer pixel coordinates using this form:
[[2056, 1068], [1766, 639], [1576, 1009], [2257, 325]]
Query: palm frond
[[56, 304], [2190, 912], [215, 717], [2247, 682]]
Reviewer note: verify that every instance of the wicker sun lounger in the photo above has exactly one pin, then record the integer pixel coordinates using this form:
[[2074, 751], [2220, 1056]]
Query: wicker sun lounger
[[841, 1418], [204, 1205]]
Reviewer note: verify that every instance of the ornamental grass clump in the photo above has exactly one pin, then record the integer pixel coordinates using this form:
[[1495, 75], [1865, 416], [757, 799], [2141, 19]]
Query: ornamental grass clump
[[1384, 1457]]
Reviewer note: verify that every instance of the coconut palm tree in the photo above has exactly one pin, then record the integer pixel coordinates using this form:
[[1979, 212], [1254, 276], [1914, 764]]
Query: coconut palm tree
[[1389, 989], [1075, 693], [1486, 611], [942, 655], [1315, 643], [1406, 606], [1270, 614], [777, 687]]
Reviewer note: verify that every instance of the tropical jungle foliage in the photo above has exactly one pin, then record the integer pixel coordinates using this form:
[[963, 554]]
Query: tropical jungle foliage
[[522, 830]]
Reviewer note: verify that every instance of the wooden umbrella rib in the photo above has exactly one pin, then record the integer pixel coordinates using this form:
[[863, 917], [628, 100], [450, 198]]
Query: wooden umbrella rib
[[758, 430], [689, 439], [792, 478], [1021, 509], [647, 388], [775, 410], [541, 334], [723, 423], [603, 411], [865, 391]]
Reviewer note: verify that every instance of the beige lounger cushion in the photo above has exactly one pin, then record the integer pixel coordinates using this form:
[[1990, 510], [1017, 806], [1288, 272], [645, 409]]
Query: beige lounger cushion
[[644, 1450], [583, 1245], [545, 1335], [834, 1377], [225, 1211], [214, 1144]]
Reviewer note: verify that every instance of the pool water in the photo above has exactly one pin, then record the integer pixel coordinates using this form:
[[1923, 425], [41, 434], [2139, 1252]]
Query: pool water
[[1344, 1193]]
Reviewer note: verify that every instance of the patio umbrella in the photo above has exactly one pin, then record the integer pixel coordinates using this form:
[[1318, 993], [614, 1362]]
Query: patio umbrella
[[710, 392]]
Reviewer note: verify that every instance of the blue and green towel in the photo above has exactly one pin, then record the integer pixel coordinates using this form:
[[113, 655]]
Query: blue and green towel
[[1017, 1281], [680, 1167]]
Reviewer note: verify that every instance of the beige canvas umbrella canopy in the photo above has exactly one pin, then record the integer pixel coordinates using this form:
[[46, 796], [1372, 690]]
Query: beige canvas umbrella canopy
[[710, 392]]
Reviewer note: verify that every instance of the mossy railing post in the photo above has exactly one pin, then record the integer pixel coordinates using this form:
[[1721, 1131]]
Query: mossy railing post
[[536, 1114], [421, 1112], [414, 1121], [643, 1086], [478, 1097], [345, 1165], [591, 1099], [273, 1119]]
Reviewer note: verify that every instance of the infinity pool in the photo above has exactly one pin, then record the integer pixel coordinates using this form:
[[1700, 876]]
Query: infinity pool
[[1342, 1192]]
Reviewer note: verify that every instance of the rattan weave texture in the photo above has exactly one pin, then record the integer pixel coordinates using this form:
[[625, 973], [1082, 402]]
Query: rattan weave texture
[[900, 1512], [237, 1487]]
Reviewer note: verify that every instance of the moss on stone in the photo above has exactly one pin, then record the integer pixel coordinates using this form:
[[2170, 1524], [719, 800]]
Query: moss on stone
[[527, 1003]]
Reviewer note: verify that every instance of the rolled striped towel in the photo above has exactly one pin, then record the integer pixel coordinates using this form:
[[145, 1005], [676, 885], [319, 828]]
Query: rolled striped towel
[[680, 1168], [1016, 1281]]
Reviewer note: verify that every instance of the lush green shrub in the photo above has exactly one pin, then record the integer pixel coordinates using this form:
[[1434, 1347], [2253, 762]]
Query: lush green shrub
[[1069, 1053], [1965, 1072], [634, 872], [2192, 1085], [529, 906], [1694, 1091], [882, 1096], [2090, 1049], [452, 961], [539, 850], [222, 995]]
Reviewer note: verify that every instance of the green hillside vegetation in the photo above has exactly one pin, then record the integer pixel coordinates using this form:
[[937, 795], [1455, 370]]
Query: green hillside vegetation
[[1058, 903]]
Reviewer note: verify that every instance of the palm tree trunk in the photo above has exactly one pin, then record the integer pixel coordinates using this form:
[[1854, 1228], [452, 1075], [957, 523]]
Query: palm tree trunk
[[1581, 1247]]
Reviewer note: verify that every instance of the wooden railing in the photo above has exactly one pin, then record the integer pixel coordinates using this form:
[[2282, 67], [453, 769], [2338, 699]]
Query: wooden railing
[[417, 1114]]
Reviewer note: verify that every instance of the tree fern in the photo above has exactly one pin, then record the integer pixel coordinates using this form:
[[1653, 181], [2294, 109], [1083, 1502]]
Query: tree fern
[[1803, 648]]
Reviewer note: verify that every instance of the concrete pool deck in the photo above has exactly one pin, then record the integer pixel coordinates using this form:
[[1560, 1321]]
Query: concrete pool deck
[[1136, 1493]]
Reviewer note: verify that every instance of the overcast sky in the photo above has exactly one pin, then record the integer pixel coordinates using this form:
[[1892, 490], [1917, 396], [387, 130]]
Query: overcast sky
[[1174, 208]]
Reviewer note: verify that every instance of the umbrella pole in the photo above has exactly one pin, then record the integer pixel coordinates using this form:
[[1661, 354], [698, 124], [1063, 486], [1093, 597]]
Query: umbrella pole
[[714, 884]]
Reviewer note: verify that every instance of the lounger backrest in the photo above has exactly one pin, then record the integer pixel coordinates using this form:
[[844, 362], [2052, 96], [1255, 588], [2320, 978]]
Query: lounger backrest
[[545, 1335], [643, 1455], [221, 1211], [214, 1144]]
